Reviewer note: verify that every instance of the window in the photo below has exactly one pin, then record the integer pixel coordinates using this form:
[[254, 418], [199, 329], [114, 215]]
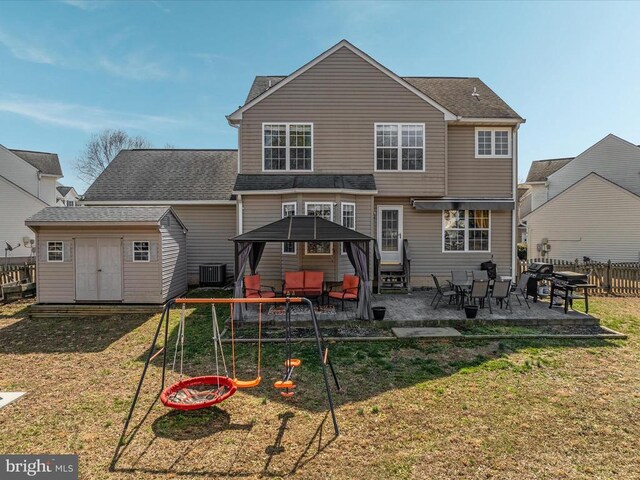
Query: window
[[140, 251], [399, 146], [287, 146], [466, 230], [71, 203], [324, 210], [288, 210], [493, 142], [348, 218], [55, 251]]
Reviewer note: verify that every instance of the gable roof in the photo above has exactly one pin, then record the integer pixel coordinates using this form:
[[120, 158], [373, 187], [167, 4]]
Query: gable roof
[[541, 169], [166, 175], [129, 215], [247, 183], [62, 190], [237, 115], [46, 163]]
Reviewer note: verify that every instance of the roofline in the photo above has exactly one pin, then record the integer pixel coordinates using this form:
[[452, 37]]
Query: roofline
[[155, 203], [305, 190], [575, 184], [23, 190], [236, 116], [180, 149], [106, 223], [170, 210], [461, 199], [30, 151], [489, 120], [537, 182]]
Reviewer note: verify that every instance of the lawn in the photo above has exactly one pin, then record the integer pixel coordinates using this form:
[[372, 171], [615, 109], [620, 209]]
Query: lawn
[[509, 409]]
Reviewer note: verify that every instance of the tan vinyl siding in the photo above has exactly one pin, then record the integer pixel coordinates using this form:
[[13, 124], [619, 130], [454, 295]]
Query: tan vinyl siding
[[56, 282], [344, 96], [470, 177], [423, 230], [209, 229], [593, 218], [174, 258]]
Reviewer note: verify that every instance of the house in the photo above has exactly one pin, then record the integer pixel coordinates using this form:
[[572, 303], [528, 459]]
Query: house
[[27, 184], [109, 254], [426, 165], [587, 206], [67, 196]]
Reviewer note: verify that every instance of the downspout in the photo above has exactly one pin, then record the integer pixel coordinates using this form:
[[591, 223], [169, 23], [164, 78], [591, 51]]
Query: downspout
[[514, 214], [240, 216]]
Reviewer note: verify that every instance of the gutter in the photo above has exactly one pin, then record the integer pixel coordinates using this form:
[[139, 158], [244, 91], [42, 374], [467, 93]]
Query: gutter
[[304, 190]]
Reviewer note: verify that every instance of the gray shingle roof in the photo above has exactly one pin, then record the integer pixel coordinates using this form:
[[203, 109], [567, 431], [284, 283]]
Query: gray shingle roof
[[167, 175], [63, 190], [541, 169], [98, 214], [46, 163], [311, 181], [453, 93]]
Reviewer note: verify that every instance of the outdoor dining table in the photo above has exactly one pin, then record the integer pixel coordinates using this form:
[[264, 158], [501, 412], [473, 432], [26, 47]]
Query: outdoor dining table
[[460, 287]]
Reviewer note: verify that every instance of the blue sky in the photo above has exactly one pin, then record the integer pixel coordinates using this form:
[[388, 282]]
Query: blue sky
[[172, 71]]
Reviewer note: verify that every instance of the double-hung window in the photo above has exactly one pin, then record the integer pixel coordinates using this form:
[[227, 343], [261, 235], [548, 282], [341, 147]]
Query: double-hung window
[[493, 142], [348, 218], [399, 146], [324, 210], [466, 230], [55, 251], [287, 146], [141, 251], [288, 210]]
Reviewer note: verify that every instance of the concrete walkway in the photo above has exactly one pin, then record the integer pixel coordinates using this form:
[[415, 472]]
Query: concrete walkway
[[425, 332]]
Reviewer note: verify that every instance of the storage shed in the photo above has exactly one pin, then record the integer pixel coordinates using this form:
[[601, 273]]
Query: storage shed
[[109, 254]]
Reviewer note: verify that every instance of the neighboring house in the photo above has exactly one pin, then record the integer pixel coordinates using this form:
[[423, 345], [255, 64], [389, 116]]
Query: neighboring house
[[426, 164], [587, 206], [67, 196], [27, 184]]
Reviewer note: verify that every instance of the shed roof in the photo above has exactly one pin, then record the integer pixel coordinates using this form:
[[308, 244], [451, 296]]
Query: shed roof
[[46, 163], [99, 215], [246, 183]]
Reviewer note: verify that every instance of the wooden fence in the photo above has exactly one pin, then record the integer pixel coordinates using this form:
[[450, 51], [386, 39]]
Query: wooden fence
[[17, 273], [621, 279]]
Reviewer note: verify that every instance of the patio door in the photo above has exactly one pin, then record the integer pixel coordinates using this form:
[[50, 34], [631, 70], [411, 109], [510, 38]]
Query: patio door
[[98, 269], [390, 233]]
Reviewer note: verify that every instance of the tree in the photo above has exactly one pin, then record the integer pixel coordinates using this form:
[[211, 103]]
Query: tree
[[101, 149]]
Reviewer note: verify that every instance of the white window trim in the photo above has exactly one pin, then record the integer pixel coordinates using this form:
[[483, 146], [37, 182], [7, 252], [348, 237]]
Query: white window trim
[[466, 235], [48, 252], [295, 211], [288, 147], [399, 125], [493, 131], [342, 205], [133, 251], [306, 212]]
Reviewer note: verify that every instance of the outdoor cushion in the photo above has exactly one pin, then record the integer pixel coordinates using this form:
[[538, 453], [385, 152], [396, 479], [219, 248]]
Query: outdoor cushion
[[293, 280], [261, 294], [252, 288], [313, 280], [350, 282], [340, 295]]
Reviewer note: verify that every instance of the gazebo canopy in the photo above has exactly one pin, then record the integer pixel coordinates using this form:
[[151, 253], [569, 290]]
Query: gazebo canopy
[[302, 228]]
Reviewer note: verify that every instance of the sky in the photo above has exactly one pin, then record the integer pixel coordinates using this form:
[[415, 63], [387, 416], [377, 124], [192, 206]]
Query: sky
[[171, 71]]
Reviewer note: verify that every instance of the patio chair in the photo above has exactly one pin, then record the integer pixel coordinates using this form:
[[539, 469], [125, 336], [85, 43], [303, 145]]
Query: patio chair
[[480, 275], [459, 276], [348, 290], [440, 293], [479, 291], [521, 289], [253, 288], [502, 293]]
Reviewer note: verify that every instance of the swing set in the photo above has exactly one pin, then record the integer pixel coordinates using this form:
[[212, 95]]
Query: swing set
[[205, 391]]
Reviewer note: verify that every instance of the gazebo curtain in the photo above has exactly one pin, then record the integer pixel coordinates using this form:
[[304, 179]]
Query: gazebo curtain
[[246, 252], [357, 253]]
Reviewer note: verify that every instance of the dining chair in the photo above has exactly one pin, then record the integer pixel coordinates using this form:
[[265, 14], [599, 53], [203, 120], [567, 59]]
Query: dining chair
[[479, 291], [502, 293], [441, 293], [480, 275]]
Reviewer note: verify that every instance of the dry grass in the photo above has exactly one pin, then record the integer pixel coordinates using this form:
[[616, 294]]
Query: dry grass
[[511, 409]]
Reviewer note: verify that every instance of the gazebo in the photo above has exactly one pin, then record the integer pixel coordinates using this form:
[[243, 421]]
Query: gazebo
[[249, 247]]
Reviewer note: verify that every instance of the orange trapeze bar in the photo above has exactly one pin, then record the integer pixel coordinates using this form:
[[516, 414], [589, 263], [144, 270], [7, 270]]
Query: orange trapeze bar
[[247, 383], [239, 300]]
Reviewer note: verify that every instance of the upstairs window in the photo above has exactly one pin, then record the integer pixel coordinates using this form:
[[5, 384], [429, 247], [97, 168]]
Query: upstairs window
[[287, 146], [399, 146], [288, 210], [466, 230], [55, 252], [140, 251], [493, 142], [324, 210]]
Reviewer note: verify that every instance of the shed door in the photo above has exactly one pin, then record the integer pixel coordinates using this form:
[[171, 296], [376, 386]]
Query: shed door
[[98, 269]]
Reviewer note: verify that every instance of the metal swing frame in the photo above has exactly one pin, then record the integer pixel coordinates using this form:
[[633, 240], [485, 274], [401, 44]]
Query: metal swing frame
[[324, 358]]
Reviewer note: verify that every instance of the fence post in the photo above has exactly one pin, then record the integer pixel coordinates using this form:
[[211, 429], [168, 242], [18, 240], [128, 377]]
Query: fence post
[[609, 287]]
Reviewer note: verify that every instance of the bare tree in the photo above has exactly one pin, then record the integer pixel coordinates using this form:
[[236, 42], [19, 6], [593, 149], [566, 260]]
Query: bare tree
[[101, 149]]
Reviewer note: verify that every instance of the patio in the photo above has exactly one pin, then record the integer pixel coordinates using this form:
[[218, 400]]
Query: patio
[[414, 309]]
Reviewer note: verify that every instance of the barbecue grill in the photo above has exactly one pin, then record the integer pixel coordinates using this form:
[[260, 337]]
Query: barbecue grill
[[564, 286], [538, 271], [570, 278]]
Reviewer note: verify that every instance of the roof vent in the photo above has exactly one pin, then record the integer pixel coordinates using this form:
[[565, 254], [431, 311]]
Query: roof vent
[[269, 84], [475, 94]]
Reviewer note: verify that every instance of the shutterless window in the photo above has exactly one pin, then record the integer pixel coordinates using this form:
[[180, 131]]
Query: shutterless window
[[324, 210], [288, 146], [348, 218], [288, 210], [399, 146], [466, 230], [55, 251], [140, 251], [493, 142]]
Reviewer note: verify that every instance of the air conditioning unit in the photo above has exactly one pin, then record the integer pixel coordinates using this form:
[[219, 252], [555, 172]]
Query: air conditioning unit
[[213, 274]]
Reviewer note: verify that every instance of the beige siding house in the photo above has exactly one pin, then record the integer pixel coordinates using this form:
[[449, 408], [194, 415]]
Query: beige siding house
[[109, 254]]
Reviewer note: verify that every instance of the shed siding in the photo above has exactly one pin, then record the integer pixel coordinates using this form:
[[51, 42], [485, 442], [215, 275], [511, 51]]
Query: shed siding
[[471, 177], [594, 219], [209, 228], [344, 96], [174, 258]]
